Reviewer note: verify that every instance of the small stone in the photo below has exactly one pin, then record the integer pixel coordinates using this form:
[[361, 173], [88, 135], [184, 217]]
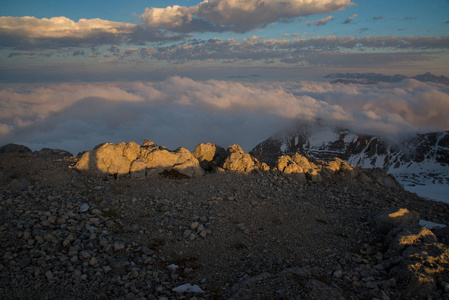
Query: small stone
[[357, 284], [384, 296], [371, 285], [187, 234], [84, 207], [203, 234], [338, 274], [26, 235], [118, 246], [93, 261], [107, 269], [446, 287], [84, 255], [241, 226], [49, 275], [194, 225], [200, 228], [160, 288]]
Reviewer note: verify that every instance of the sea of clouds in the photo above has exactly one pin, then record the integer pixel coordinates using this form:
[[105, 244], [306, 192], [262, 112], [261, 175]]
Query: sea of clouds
[[184, 112]]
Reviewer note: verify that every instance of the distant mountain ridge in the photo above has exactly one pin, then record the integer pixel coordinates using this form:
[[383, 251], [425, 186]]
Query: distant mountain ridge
[[417, 160], [372, 78]]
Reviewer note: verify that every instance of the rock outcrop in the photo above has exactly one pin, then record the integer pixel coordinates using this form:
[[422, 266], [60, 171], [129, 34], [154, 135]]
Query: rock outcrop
[[210, 156], [316, 170], [139, 161], [238, 160], [130, 159], [389, 219], [421, 261], [154, 161], [14, 148]]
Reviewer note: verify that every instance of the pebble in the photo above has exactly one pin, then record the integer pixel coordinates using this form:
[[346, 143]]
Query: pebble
[[93, 261], [49, 275], [118, 246], [338, 274], [194, 225], [84, 207]]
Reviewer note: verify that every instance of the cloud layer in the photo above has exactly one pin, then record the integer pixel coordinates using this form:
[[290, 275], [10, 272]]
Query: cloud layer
[[184, 112], [31, 32], [234, 15]]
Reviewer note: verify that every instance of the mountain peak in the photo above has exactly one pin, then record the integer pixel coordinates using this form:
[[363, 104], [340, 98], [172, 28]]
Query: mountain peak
[[370, 78], [420, 160], [429, 77]]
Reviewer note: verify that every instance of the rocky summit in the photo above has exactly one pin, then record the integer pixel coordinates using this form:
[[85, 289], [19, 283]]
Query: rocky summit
[[129, 221]]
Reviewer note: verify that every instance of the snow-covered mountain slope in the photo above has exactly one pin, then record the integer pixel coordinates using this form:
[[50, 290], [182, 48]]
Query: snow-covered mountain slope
[[420, 163]]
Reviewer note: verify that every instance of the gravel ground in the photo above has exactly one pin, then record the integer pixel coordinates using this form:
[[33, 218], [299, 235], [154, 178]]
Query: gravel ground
[[65, 235]]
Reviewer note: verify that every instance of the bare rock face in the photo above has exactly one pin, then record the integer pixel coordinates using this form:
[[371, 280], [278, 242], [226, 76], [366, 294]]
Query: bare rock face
[[139, 161], [239, 161], [155, 161], [287, 165], [423, 260], [299, 164], [420, 259], [209, 155], [388, 219], [109, 158]]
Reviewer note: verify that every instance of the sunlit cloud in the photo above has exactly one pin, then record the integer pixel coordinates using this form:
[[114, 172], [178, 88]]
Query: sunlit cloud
[[31, 32], [349, 20], [184, 112], [321, 22], [237, 16]]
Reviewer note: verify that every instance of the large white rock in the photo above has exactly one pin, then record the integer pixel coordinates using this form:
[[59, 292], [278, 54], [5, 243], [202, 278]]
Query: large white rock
[[125, 158], [109, 158], [238, 160]]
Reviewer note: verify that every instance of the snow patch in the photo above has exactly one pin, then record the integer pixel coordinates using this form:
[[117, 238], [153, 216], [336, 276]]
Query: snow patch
[[430, 224], [323, 137], [284, 147], [437, 192], [188, 288]]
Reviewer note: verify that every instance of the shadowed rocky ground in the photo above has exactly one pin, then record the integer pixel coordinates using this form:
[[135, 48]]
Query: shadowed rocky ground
[[233, 227]]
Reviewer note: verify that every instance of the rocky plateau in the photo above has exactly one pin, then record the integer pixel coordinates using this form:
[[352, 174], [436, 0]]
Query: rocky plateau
[[129, 221]]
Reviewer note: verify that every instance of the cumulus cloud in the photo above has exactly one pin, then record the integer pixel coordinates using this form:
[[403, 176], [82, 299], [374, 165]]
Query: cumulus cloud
[[237, 16], [61, 32], [60, 27], [184, 112]]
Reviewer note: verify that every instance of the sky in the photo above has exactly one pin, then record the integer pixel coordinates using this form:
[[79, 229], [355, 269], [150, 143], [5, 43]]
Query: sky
[[51, 40], [74, 74]]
